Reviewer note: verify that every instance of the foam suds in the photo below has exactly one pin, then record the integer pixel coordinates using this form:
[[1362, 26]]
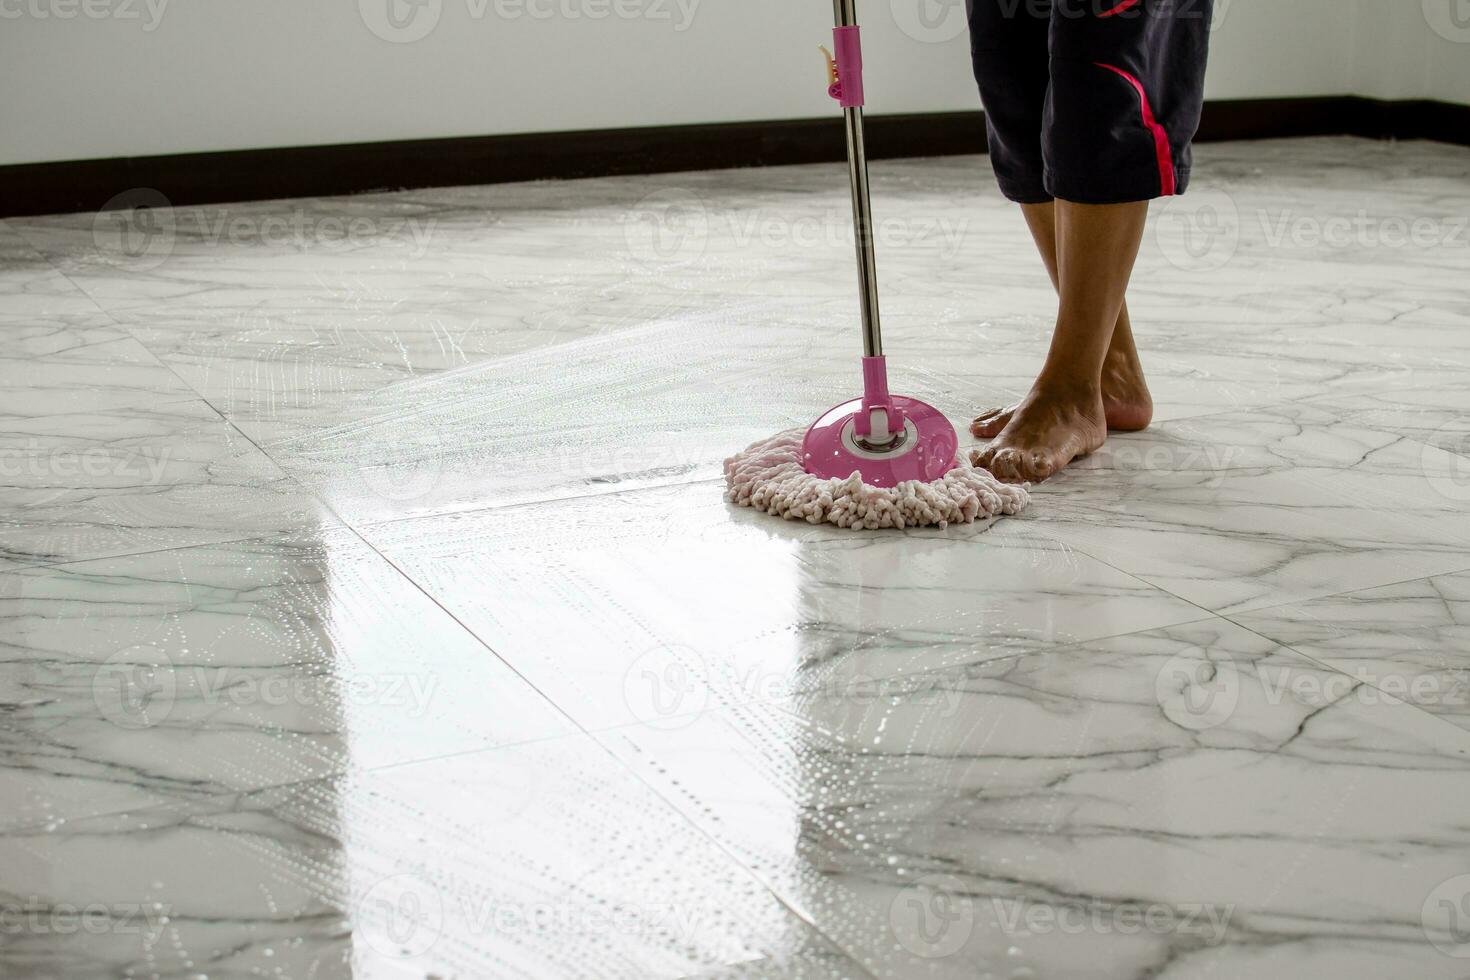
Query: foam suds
[[769, 476]]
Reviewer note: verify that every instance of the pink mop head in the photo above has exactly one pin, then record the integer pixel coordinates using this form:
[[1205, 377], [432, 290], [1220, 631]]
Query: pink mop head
[[769, 476]]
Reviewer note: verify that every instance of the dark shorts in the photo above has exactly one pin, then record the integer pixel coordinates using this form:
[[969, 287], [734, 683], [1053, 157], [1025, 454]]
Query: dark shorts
[[1092, 101]]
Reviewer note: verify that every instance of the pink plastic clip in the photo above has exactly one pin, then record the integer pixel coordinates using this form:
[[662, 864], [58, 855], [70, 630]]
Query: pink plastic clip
[[847, 45], [876, 398]]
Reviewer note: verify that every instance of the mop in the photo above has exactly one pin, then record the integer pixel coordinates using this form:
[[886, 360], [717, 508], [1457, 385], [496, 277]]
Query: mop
[[882, 460]]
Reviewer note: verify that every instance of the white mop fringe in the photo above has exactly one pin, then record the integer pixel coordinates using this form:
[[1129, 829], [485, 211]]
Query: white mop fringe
[[769, 476]]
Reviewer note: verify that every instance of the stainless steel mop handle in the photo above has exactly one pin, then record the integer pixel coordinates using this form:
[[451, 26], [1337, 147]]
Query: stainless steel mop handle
[[862, 207]]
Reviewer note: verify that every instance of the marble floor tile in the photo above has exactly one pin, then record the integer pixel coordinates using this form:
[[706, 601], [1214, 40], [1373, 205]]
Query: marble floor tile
[[539, 860], [1186, 802], [649, 605], [1241, 510], [77, 363], [104, 451], [1410, 640], [248, 741], [146, 478], [213, 256], [31, 286], [667, 402], [288, 315], [174, 675], [384, 349], [659, 404], [1437, 414]]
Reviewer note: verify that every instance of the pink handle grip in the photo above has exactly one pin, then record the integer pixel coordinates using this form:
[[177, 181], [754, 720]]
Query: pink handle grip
[[847, 46], [876, 396]]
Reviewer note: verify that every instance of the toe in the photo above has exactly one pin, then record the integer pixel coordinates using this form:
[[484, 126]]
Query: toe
[[1006, 466], [982, 457], [1040, 466], [990, 424]]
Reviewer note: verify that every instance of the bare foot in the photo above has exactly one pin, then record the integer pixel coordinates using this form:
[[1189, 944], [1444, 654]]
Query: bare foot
[[1127, 404], [1048, 430]]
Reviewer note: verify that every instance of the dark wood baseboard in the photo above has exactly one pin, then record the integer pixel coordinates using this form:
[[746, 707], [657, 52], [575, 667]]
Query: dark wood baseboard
[[252, 175]]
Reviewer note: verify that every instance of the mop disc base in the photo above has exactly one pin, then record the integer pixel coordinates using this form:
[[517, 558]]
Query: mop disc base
[[925, 450], [771, 476]]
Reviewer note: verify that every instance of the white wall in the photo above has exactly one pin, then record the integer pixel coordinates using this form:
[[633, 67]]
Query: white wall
[[1406, 49], [1449, 74], [128, 77]]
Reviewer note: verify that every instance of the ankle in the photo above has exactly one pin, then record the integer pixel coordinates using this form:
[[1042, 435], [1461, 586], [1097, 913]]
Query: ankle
[[1123, 379], [1122, 362], [1067, 386]]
